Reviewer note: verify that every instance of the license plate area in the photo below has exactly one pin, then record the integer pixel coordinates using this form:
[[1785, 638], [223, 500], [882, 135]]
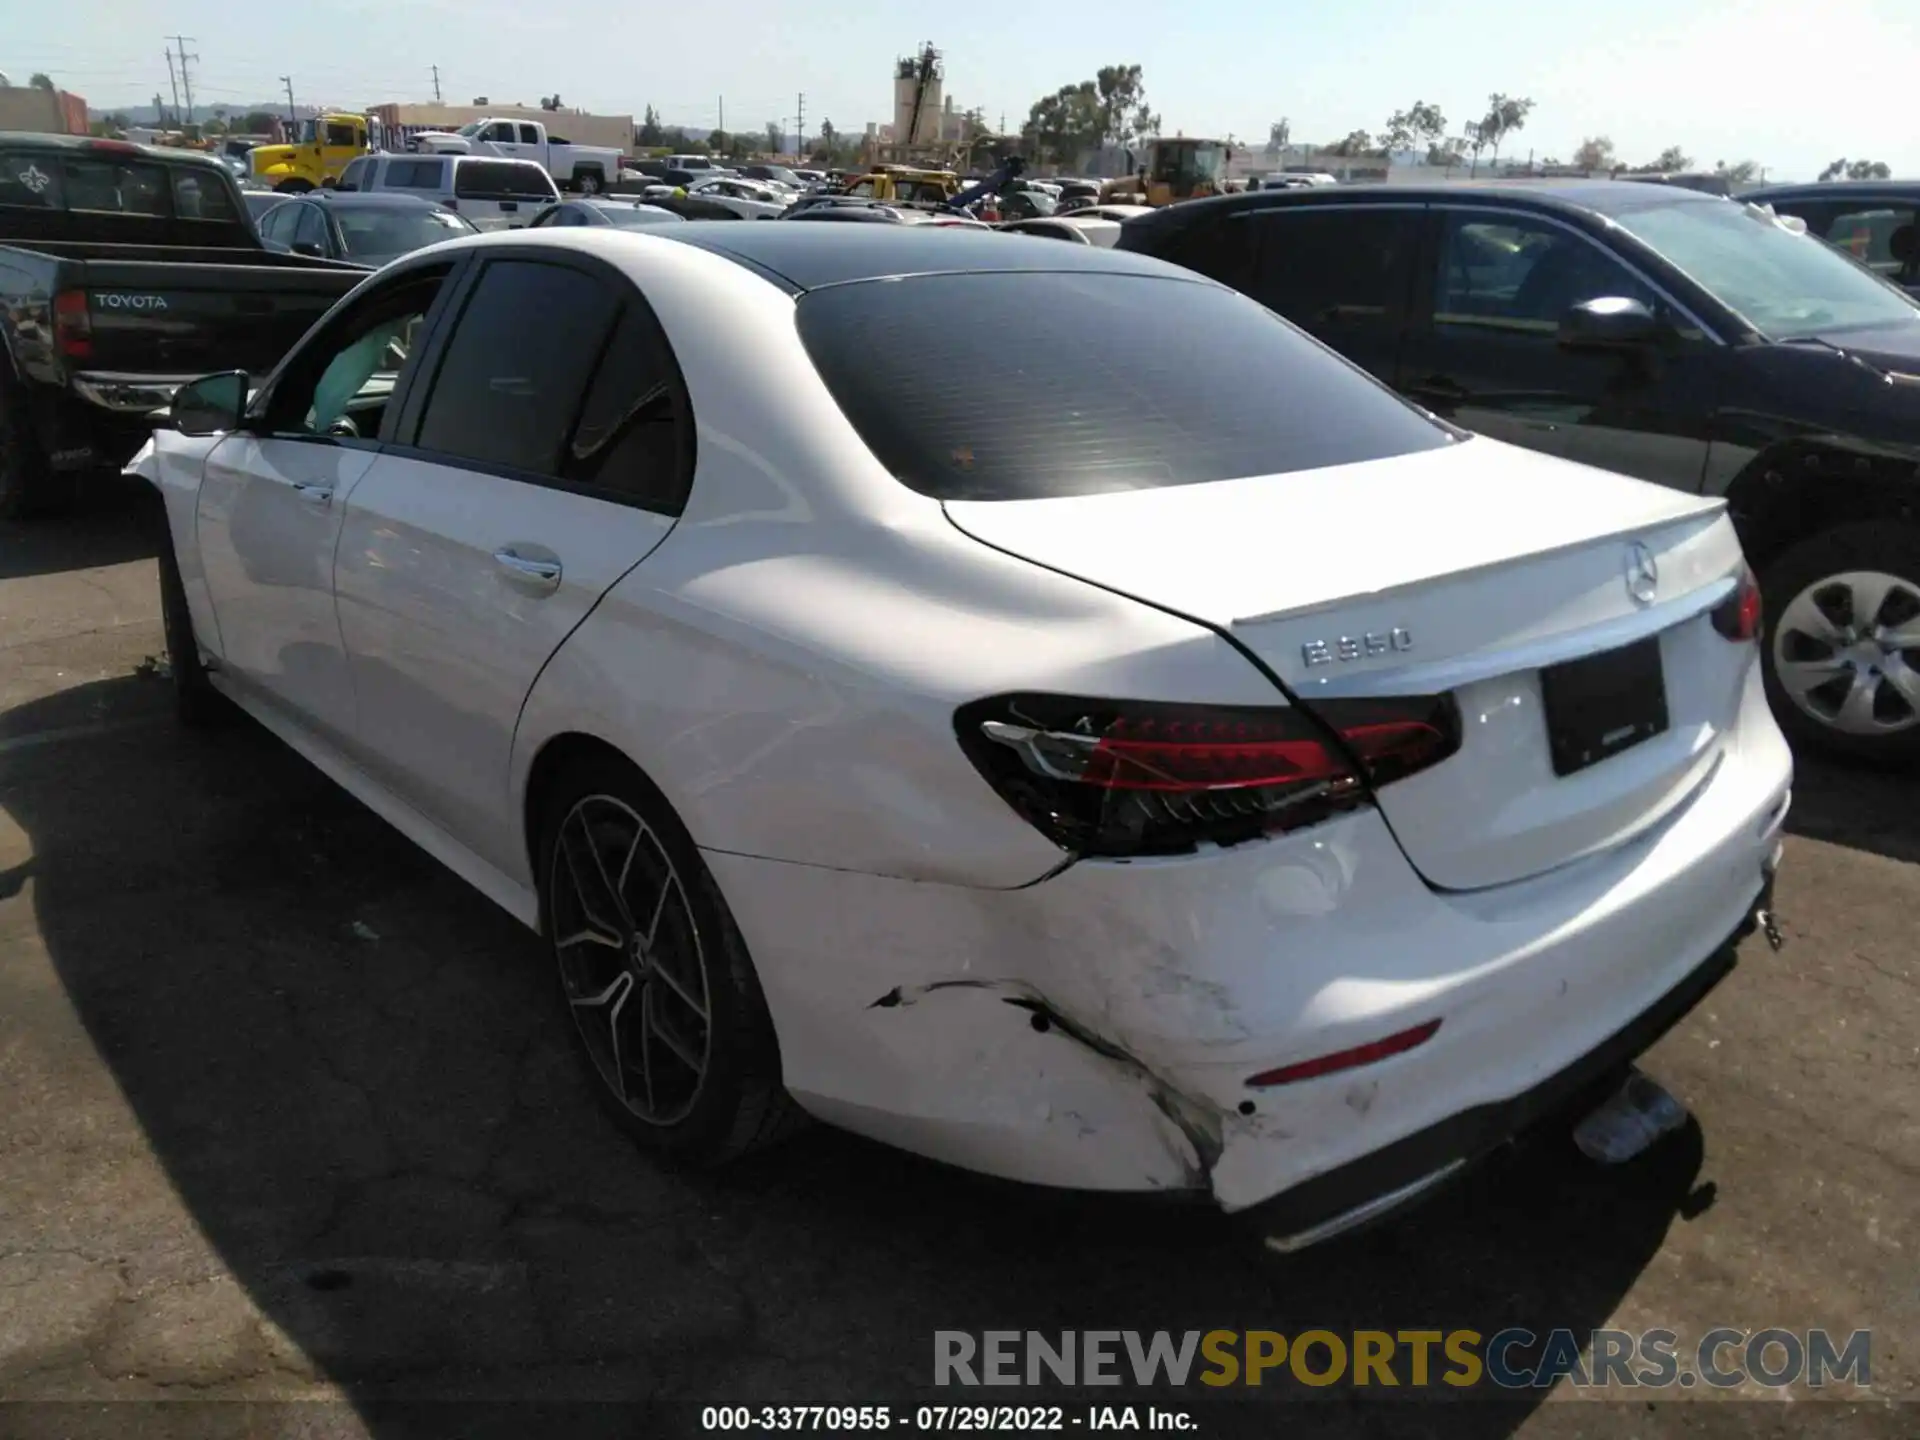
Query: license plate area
[[1603, 704]]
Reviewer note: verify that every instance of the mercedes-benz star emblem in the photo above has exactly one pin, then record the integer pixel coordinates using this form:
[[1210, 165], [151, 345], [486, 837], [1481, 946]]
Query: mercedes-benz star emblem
[[1643, 574]]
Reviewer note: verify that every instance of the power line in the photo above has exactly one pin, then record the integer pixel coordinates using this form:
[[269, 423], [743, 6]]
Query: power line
[[436, 84], [186, 77]]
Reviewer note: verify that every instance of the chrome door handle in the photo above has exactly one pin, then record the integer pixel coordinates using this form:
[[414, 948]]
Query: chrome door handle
[[317, 494], [545, 571]]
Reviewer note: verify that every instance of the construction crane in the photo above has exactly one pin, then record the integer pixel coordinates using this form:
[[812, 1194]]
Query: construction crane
[[923, 70]]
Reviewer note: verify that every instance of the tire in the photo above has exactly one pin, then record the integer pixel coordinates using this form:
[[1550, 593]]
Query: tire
[[293, 187], [588, 183], [1811, 593], [200, 706], [27, 482], [733, 1102]]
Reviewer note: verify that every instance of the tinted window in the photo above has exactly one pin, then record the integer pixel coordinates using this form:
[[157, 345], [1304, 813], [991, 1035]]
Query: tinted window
[[117, 187], [200, 196], [355, 175], [1019, 386], [277, 224], [502, 180], [1784, 285], [342, 136], [509, 389], [635, 436], [352, 367], [529, 135], [1326, 264], [414, 174], [1522, 274], [1221, 247], [1872, 235], [29, 181]]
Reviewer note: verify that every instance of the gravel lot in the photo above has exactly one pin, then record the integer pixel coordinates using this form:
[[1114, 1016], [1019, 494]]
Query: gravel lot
[[288, 1115]]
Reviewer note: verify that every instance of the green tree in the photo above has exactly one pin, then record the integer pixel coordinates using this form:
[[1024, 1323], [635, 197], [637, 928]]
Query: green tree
[[1505, 116], [1741, 172], [649, 133], [1595, 153], [1869, 170], [1122, 105], [1356, 144], [1065, 123], [1279, 136], [1420, 126], [718, 142], [258, 122], [39, 80]]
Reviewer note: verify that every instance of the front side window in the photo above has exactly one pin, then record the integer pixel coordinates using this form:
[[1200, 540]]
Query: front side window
[[1016, 386], [310, 229], [1319, 265], [355, 175], [1511, 273], [1786, 286], [276, 226], [507, 391], [348, 373], [344, 137], [500, 132]]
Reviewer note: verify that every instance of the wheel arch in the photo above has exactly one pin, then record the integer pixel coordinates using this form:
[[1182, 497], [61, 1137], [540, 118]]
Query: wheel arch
[[1808, 485], [557, 754]]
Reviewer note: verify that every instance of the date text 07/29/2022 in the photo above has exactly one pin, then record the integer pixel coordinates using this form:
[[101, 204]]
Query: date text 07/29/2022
[[942, 1419]]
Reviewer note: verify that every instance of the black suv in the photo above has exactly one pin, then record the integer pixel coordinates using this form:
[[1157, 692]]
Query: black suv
[[1676, 336]]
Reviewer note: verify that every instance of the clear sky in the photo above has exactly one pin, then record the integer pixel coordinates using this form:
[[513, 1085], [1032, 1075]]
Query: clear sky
[[1788, 83]]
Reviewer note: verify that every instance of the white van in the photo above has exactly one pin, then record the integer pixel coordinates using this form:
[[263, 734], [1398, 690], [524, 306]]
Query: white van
[[494, 194]]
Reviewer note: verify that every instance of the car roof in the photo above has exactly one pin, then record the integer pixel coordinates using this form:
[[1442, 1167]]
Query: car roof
[[1598, 197], [38, 141], [811, 256]]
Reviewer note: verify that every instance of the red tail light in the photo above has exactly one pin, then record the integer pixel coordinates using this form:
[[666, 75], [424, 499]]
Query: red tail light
[[72, 325], [1739, 617], [1116, 778], [1372, 1051]]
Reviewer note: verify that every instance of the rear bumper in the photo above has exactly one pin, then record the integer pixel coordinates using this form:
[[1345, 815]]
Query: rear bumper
[[1098, 1030]]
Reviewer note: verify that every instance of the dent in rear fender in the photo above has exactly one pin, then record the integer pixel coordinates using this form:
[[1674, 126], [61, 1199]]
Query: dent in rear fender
[[791, 687]]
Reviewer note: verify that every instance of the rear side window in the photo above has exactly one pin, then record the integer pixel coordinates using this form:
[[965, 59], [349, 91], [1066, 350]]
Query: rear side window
[[29, 181], [635, 437], [1012, 386], [508, 391], [502, 180], [1318, 264], [413, 174]]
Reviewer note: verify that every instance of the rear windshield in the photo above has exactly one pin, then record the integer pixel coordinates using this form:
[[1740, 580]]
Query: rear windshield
[[1023, 386], [502, 180]]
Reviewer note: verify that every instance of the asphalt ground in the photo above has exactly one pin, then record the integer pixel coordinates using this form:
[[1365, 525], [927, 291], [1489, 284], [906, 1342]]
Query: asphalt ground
[[287, 1116]]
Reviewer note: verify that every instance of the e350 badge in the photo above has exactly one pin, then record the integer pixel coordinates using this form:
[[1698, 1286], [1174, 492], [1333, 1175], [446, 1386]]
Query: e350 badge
[[1367, 646]]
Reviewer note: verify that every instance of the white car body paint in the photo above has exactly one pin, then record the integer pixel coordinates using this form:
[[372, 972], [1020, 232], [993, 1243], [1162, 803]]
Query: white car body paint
[[749, 199], [784, 662]]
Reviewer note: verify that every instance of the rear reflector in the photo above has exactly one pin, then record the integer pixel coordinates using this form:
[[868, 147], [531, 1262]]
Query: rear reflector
[[1122, 778], [1346, 1059], [1739, 617], [72, 325]]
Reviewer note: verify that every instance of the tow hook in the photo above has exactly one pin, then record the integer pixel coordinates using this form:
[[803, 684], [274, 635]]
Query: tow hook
[[1770, 927]]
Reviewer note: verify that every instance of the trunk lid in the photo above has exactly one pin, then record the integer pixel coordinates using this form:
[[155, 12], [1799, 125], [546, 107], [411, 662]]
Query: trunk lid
[[1468, 571]]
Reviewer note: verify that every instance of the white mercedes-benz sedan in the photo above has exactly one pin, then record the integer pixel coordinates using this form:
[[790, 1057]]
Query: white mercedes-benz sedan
[[1024, 703]]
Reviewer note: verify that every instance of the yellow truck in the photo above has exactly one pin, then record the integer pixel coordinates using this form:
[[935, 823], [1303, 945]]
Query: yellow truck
[[905, 184], [326, 144], [1177, 168]]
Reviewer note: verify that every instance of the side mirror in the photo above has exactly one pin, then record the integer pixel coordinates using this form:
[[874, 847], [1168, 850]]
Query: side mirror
[[1610, 322], [211, 405], [306, 247]]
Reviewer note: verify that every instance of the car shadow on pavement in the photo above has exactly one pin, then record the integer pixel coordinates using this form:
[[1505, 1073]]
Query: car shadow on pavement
[[353, 1072], [1857, 805], [110, 522]]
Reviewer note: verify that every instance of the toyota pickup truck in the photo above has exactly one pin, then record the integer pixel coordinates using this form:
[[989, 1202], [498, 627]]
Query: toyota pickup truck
[[588, 169], [126, 270]]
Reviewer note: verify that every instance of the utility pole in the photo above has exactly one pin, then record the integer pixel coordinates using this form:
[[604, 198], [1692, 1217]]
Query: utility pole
[[800, 121], [293, 115], [436, 84], [722, 124], [186, 78], [173, 79]]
